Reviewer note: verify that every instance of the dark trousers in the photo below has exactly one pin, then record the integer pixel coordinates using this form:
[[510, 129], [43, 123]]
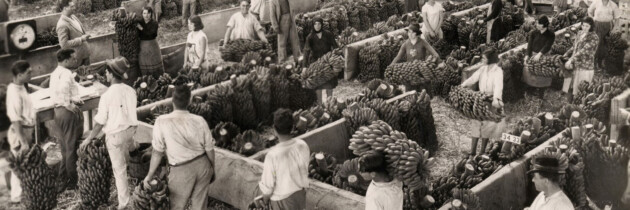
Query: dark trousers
[[68, 131], [288, 33]]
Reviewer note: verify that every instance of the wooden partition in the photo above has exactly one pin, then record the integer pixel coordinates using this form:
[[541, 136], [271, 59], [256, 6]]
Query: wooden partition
[[617, 122]]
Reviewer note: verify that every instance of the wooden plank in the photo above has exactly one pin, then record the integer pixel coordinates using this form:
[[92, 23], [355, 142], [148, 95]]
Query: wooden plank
[[619, 102], [466, 11], [90, 103]]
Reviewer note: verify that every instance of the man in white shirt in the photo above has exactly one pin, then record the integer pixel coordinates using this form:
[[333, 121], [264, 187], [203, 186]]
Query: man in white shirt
[[68, 122], [547, 172], [117, 118], [605, 13], [20, 112], [285, 171], [187, 143], [243, 25]]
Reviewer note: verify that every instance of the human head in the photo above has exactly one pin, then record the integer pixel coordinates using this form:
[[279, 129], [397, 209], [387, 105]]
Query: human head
[[194, 23], [587, 23], [181, 97], [147, 13], [318, 23], [542, 23], [66, 7], [543, 180], [244, 6], [21, 71], [413, 30], [372, 162], [117, 69], [547, 171], [490, 56], [283, 121], [67, 58]]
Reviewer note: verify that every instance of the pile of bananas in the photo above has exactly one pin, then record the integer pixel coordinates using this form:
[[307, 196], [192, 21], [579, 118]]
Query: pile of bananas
[[389, 49], [450, 7], [321, 167], [373, 137], [559, 21], [388, 112], [575, 186], [213, 77], [353, 18], [248, 143], [462, 54], [547, 66], [470, 171], [605, 167], [306, 120], [333, 107], [381, 89], [323, 70], [512, 40], [449, 29], [378, 29], [406, 73], [595, 99], [200, 107], [252, 58], [369, 63], [280, 86], [464, 29], [477, 35], [220, 99], [48, 37], [442, 188], [95, 173], [617, 46], [261, 92], [473, 104], [234, 50], [512, 65], [300, 97], [393, 21], [153, 197], [150, 89], [128, 36], [562, 44], [349, 36], [358, 117], [407, 161], [442, 47], [417, 121], [224, 133], [36, 179], [468, 198], [446, 77], [348, 177], [242, 100]]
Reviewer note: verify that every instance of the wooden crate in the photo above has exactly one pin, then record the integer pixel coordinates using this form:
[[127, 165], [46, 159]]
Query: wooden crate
[[616, 121]]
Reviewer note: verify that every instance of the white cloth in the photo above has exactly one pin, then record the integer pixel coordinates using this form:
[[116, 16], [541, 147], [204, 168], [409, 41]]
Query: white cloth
[[19, 105], [118, 145], [557, 201], [261, 7], [433, 15], [602, 13], [490, 78], [117, 109], [196, 42], [244, 27], [285, 170], [182, 135], [578, 77], [63, 88], [384, 196]]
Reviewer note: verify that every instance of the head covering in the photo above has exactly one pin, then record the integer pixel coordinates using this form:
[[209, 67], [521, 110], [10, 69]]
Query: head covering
[[415, 27], [321, 21], [118, 66], [548, 165]]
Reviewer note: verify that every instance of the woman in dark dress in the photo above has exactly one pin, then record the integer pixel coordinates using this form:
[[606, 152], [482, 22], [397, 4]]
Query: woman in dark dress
[[495, 30], [150, 57], [317, 44]]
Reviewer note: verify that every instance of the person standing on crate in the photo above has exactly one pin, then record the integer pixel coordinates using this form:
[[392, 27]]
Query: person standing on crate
[[283, 22], [285, 171], [22, 115], [243, 25], [68, 122], [117, 118], [581, 58], [539, 44], [494, 27], [415, 48], [547, 173], [489, 78], [385, 192], [71, 33], [187, 143], [196, 44], [150, 57], [433, 16], [317, 44], [604, 13]]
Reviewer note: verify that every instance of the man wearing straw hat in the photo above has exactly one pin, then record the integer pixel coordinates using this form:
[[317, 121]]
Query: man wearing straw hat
[[117, 118], [547, 172]]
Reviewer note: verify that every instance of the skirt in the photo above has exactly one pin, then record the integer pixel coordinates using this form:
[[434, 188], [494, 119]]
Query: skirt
[[602, 29], [578, 77], [150, 60], [488, 129]]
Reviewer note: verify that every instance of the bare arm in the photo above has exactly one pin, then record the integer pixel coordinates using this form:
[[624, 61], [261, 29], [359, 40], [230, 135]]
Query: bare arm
[[261, 35], [201, 53], [401, 53], [228, 33], [156, 158]]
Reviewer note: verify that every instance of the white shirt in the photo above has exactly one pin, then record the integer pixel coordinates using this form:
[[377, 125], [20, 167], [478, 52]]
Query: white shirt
[[63, 87], [557, 201], [432, 14], [602, 13], [285, 169], [19, 105], [244, 27], [117, 109], [195, 40], [384, 196], [490, 78], [182, 136]]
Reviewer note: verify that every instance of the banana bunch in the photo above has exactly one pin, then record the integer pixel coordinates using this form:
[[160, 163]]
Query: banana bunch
[[477, 35], [261, 92], [95, 173], [248, 143], [210, 78], [383, 89], [559, 21], [36, 179], [353, 18], [323, 70], [449, 29], [468, 198], [450, 7], [220, 99], [48, 37], [462, 54], [407, 161], [128, 36], [224, 133], [153, 197], [310, 119], [406, 73], [156, 111], [512, 65], [369, 63], [364, 16], [575, 185], [547, 66], [464, 30], [616, 50], [348, 177], [372, 137], [238, 69], [471, 171], [200, 107], [443, 47], [473, 104], [442, 188], [304, 25], [321, 167], [476, 12], [389, 49], [356, 118], [605, 167], [576, 14], [252, 59], [388, 112], [333, 107], [280, 84], [595, 99], [393, 21], [447, 77], [349, 36], [562, 44], [378, 29], [151, 89], [234, 50], [392, 8], [516, 151], [417, 113], [242, 100], [300, 97]]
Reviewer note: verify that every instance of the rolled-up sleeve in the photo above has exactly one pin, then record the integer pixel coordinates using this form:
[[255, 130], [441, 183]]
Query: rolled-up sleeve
[[103, 110], [268, 178], [158, 139]]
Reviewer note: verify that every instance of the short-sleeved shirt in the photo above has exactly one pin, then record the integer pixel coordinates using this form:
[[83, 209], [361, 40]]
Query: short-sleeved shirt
[[19, 105], [557, 201], [432, 13], [384, 196], [285, 170], [603, 13], [417, 51], [117, 109], [244, 27], [182, 136]]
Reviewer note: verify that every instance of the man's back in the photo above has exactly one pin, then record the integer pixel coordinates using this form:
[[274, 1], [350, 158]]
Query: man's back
[[286, 169]]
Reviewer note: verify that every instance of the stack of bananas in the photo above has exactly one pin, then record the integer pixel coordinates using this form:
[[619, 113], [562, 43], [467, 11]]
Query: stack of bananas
[[512, 65], [562, 44], [353, 18], [468, 198], [595, 99], [235, 49], [575, 185], [449, 29], [442, 47], [356, 118], [389, 49], [407, 160], [473, 104], [391, 8], [200, 107], [462, 54], [513, 39], [373, 137], [447, 77], [613, 64], [210, 78], [261, 92], [280, 84], [36, 179], [450, 7], [153, 197], [224, 133], [310, 119], [151, 89], [418, 122], [364, 16], [394, 21], [382, 89], [220, 99], [300, 97], [95, 173], [559, 21], [470, 171], [349, 36], [369, 63], [464, 29], [48, 37], [442, 188], [242, 100], [157, 111], [248, 143], [252, 58], [348, 177], [547, 66], [477, 35], [378, 29], [406, 73], [128, 37], [323, 70], [322, 166], [333, 107]]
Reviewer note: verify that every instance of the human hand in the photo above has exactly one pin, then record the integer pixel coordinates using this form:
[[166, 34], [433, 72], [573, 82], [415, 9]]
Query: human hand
[[72, 108], [23, 148], [86, 142], [85, 37], [139, 26], [276, 29], [78, 102], [526, 58], [496, 103], [536, 57], [146, 181]]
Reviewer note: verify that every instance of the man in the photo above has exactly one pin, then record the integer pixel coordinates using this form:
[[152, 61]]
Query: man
[[605, 13], [117, 118], [243, 25], [186, 141], [68, 120], [539, 42], [548, 172], [260, 9], [189, 8], [285, 171], [71, 32], [20, 111], [283, 23]]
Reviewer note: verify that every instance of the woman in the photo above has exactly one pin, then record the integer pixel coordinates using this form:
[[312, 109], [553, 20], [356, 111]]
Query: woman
[[433, 16], [494, 30], [150, 59], [415, 48], [604, 14], [196, 44], [489, 78], [318, 43], [539, 44], [582, 57]]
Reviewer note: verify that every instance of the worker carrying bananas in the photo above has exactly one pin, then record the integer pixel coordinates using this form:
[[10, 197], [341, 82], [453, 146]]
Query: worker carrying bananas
[[547, 173], [117, 118], [385, 192], [489, 78], [318, 43], [20, 111], [539, 44], [244, 25]]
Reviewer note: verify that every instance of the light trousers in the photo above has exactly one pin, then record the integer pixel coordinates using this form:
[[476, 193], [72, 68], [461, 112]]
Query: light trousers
[[118, 145]]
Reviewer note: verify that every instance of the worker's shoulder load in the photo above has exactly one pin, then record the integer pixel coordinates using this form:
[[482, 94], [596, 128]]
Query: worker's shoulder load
[[323, 70]]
